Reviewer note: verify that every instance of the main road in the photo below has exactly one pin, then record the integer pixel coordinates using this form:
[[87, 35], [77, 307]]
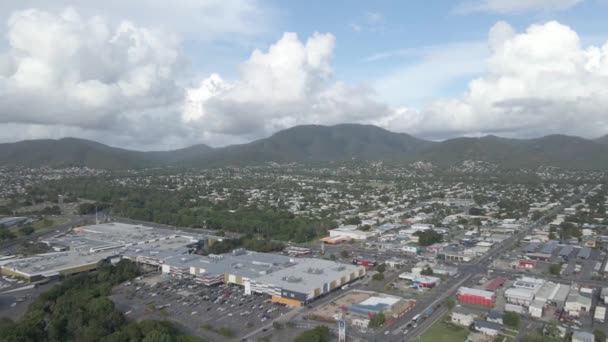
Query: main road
[[479, 266]]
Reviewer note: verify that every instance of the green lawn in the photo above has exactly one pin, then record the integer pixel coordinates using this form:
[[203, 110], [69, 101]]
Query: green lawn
[[441, 331]]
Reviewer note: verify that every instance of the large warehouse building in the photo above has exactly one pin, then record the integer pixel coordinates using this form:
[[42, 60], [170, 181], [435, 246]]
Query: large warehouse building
[[475, 296], [288, 280]]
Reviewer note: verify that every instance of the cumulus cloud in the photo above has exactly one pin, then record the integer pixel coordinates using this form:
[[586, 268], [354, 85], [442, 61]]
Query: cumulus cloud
[[66, 74], [537, 82], [287, 85], [63, 69], [511, 6]]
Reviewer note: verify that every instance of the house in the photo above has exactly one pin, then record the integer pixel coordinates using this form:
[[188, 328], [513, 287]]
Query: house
[[478, 337], [463, 316], [495, 317], [582, 336], [487, 328]]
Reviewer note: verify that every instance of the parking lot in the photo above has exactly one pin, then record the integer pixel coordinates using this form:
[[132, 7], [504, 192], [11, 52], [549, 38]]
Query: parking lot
[[204, 311]]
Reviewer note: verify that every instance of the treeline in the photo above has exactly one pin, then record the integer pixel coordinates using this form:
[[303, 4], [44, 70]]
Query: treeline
[[186, 209], [247, 242], [78, 309]]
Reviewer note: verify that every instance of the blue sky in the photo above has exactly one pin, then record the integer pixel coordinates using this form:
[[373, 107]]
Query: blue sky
[[379, 40], [152, 74]]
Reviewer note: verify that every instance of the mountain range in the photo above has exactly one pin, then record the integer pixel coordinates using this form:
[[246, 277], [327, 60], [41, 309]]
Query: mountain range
[[314, 143]]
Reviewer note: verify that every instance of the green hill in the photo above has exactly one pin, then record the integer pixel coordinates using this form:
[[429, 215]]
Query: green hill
[[313, 143]]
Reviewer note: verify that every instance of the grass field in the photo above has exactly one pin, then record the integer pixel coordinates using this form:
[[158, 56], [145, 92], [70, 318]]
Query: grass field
[[441, 331]]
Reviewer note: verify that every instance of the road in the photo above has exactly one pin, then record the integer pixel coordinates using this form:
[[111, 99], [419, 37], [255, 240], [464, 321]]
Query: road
[[439, 301], [480, 266]]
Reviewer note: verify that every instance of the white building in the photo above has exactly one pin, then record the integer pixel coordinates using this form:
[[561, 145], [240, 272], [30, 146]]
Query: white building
[[536, 309], [438, 269], [351, 232], [576, 303], [582, 336], [463, 316], [519, 296]]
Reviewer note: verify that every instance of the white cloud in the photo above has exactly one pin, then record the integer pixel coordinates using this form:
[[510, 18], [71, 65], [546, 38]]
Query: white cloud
[[537, 82], [66, 74], [200, 19], [287, 85], [63, 69], [368, 21], [513, 6]]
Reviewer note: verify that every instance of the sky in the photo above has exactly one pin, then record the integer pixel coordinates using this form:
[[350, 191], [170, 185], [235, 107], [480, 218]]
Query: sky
[[159, 75]]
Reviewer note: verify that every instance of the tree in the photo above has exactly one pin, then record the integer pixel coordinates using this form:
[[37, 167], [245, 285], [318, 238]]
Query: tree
[[381, 268], [476, 211], [450, 303], [378, 277], [511, 319], [344, 253], [6, 234], [427, 271], [353, 220], [428, 237], [600, 336], [377, 321], [26, 230], [277, 325], [555, 269], [318, 334], [365, 227]]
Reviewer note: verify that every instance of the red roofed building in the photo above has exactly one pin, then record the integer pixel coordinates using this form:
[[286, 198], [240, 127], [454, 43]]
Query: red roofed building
[[495, 283], [477, 297]]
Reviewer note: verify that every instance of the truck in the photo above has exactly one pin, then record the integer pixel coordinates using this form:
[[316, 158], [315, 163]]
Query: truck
[[600, 314]]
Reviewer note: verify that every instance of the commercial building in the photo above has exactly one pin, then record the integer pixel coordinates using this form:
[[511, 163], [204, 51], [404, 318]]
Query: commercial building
[[420, 280], [291, 281], [297, 251], [519, 296], [305, 281], [351, 232], [12, 221], [527, 264], [584, 253], [438, 269], [53, 265], [604, 293], [475, 296], [583, 336], [455, 256], [576, 303], [357, 307], [288, 280], [600, 314], [536, 308], [566, 251], [494, 284], [373, 306]]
